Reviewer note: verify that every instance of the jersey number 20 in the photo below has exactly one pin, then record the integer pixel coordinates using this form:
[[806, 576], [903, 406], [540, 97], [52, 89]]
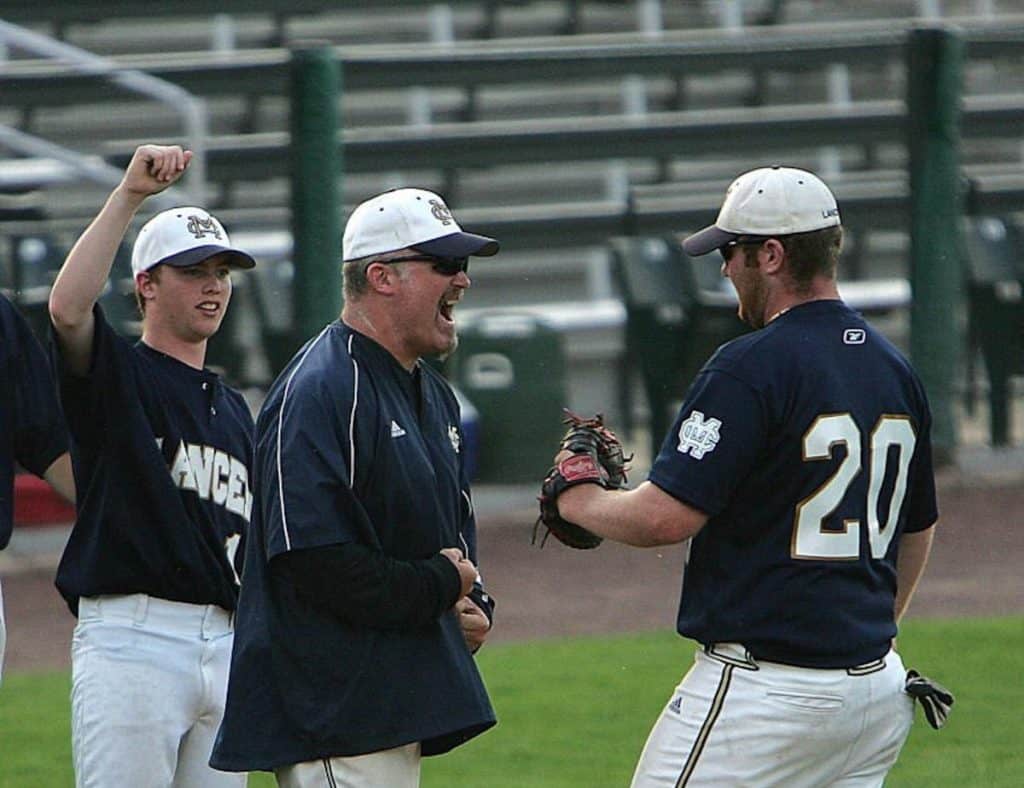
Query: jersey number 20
[[810, 539]]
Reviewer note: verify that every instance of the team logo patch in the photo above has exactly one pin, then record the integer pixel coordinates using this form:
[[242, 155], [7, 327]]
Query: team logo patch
[[200, 227], [698, 437], [854, 336], [396, 430], [441, 212], [455, 438]]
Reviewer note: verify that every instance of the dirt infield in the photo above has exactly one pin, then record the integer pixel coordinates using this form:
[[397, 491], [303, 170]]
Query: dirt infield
[[974, 570]]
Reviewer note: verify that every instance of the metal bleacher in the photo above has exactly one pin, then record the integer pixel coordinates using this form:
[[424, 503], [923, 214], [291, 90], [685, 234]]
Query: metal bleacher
[[544, 123]]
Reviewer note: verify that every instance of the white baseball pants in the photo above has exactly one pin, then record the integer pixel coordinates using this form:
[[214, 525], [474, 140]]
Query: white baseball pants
[[735, 722], [148, 682], [395, 768]]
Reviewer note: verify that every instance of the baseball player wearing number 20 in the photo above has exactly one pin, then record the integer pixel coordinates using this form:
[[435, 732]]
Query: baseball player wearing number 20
[[161, 450], [800, 465]]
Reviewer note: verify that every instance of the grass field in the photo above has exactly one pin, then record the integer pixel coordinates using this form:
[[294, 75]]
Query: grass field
[[576, 713]]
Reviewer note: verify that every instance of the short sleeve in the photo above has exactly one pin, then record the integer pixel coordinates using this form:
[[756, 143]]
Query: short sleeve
[[303, 454], [922, 506], [89, 399], [714, 441]]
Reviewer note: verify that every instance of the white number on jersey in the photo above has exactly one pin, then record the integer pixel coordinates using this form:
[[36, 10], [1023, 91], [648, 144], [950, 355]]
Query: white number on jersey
[[810, 539]]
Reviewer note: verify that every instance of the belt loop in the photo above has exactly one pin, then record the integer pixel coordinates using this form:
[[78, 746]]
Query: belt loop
[[212, 625], [141, 610], [718, 651]]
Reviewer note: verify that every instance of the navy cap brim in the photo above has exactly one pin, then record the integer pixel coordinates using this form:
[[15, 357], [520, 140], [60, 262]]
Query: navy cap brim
[[707, 240], [198, 254], [459, 244]]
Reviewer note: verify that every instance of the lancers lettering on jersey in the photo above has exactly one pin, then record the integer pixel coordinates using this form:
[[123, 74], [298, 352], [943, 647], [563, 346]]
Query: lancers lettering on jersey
[[214, 475]]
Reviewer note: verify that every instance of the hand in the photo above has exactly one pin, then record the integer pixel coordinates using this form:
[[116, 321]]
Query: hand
[[153, 168], [589, 453], [474, 623], [466, 568]]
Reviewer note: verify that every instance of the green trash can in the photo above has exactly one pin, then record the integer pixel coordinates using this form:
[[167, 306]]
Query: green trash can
[[511, 366]]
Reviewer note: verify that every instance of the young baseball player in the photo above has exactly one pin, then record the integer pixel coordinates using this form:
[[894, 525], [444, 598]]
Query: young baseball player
[[32, 428], [800, 467], [161, 450], [361, 604]]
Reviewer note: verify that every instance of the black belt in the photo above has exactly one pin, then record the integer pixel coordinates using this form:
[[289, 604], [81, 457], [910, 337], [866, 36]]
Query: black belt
[[738, 655]]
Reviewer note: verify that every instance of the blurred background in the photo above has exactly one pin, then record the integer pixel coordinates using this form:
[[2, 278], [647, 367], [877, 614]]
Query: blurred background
[[587, 136]]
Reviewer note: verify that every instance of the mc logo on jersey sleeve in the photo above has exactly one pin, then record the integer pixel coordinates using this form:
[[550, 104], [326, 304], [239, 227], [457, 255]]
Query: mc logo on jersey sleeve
[[698, 437]]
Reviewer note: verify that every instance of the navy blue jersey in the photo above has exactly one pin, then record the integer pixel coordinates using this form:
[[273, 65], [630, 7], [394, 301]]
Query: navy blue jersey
[[161, 453], [807, 444], [351, 448], [32, 428]]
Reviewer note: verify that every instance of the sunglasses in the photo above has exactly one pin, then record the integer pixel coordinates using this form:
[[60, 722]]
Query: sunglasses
[[751, 240], [446, 266]]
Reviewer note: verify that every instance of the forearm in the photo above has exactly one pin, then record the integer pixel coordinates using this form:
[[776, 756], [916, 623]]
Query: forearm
[[369, 589], [60, 477], [914, 550], [642, 517], [85, 271]]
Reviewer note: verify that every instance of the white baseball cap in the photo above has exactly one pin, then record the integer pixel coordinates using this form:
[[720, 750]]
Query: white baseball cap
[[182, 237], [409, 218], [768, 202]]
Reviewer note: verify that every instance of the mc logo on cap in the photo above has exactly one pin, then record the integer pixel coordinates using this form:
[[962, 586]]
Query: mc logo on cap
[[182, 237], [409, 219], [201, 226]]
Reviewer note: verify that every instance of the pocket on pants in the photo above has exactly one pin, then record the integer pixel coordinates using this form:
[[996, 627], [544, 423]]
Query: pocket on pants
[[822, 704]]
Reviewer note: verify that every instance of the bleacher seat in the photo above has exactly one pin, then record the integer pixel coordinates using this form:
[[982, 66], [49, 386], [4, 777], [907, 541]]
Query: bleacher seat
[[638, 133]]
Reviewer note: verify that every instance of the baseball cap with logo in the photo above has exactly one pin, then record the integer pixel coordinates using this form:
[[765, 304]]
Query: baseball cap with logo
[[768, 202], [409, 218], [182, 237]]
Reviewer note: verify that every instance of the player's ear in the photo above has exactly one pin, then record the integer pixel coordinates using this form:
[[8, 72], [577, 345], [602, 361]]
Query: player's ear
[[145, 283], [771, 255], [382, 277]]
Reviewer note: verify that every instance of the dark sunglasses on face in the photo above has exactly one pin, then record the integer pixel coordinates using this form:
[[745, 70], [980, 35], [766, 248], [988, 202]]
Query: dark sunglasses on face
[[751, 240], [446, 266]]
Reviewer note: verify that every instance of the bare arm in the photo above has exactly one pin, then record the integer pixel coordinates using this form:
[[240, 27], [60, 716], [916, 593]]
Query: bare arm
[[642, 517], [60, 477], [913, 556], [81, 279]]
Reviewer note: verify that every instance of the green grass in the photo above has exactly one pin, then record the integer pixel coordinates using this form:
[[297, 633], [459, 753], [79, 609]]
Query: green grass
[[576, 713]]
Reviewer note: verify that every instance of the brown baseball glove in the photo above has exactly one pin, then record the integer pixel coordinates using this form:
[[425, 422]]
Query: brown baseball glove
[[597, 458]]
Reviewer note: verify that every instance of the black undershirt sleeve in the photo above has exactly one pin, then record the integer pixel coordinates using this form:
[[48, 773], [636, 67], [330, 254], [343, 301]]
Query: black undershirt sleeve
[[366, 588]]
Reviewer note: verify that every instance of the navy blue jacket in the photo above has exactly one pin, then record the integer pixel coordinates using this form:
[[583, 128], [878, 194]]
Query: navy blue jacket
[[351, 448]]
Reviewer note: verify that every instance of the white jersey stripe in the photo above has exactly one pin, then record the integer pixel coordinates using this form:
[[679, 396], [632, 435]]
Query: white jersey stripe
[[280, 422], [352, 418]]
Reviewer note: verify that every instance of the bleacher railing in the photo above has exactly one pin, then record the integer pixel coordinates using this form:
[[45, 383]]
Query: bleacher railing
[[180, 101]]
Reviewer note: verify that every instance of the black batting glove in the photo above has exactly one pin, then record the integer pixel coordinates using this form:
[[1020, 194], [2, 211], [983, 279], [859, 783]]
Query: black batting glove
[[935, 699]]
